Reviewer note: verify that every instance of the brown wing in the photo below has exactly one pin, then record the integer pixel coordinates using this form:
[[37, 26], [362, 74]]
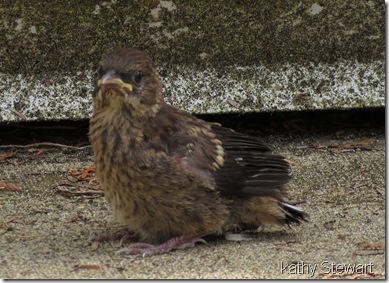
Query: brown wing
[[228, 161], [198, 152], [249, 166]]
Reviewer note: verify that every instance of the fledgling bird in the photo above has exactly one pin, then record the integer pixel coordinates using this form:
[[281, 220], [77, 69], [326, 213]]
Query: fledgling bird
[[171, 177]]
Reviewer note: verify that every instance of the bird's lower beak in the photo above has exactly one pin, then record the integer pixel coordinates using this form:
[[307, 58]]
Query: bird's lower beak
[[111, 82]]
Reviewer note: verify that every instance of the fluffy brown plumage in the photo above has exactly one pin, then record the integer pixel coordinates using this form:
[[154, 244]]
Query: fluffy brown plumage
[[168, 174]]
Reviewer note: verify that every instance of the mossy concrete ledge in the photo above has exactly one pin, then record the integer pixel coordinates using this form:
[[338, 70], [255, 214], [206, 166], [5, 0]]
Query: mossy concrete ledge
[[213, 56]]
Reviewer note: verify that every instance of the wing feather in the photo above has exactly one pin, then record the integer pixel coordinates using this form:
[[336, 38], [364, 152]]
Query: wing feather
[[249, 167], [228, 161]]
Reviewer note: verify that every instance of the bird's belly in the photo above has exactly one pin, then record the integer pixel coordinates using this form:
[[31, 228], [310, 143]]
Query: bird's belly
[[120, 190], [160, 209]]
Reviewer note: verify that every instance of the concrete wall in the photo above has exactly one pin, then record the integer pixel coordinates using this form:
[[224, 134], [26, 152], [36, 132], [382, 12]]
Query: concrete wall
[[213, 56]]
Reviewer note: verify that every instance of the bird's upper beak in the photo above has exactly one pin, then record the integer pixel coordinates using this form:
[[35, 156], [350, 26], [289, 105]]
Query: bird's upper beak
[[111, 81]]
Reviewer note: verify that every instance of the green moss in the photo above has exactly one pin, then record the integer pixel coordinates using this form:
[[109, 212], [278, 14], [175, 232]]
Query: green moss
[[69, 36], [74, 34]]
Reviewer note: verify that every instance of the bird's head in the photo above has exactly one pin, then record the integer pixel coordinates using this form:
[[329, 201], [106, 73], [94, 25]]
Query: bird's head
[[129, 81]]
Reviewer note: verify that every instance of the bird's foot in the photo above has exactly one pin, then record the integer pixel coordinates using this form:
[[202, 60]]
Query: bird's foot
[[177, 243], [124, 235]]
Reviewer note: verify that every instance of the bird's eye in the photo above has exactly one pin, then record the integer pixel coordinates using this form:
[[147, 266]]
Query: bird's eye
[[138, 76]]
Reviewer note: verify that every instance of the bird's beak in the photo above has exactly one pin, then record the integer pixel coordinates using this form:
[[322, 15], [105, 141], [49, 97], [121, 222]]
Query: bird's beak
[[110, 81]]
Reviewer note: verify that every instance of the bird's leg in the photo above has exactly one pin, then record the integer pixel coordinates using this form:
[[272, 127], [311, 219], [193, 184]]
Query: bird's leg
[[123, 235], [177, 243]]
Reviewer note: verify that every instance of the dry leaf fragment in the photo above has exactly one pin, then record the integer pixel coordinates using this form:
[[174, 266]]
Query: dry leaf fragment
[[8, 155], [76, 218], [87, 174], [153, 4], [367, 253], [87, 171], [371, 246], [9, 187]]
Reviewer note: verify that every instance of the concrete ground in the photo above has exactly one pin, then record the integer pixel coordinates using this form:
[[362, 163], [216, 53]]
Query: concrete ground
[[51, 206]]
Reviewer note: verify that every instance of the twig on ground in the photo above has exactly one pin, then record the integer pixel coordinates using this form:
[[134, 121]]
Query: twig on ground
[[44, 144]]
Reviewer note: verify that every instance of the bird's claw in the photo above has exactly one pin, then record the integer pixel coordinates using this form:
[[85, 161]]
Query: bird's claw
[[177, 243]]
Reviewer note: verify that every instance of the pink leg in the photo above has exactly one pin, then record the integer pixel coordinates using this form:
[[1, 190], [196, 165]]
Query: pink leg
[[177, 243], [123, 235]]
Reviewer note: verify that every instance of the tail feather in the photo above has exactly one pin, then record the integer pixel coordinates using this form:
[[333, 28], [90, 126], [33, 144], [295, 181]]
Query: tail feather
[[293, 214]]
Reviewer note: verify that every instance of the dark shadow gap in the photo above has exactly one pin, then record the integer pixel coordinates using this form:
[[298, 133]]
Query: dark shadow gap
[[299, 124]]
